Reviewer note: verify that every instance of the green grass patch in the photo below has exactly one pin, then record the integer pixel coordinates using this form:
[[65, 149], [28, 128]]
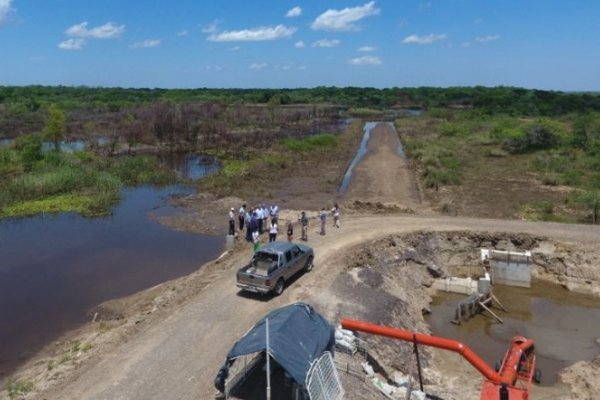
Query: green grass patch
[[136, 170], [311, 143], [19, 388], [233, 167], [92, 205]]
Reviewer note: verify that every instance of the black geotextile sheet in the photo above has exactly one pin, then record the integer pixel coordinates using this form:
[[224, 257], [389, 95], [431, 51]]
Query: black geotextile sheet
[[297, 336]]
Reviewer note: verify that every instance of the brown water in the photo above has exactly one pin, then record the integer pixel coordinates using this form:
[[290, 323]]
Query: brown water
[[564, 325], [53, 269]]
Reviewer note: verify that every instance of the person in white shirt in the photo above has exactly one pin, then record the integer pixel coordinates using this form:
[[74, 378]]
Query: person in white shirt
[[260, 219], [273, 232], [231, 222], [242, 216], [336, 215]]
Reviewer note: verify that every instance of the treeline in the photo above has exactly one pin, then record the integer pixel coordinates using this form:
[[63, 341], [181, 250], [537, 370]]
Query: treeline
[[497, 100]]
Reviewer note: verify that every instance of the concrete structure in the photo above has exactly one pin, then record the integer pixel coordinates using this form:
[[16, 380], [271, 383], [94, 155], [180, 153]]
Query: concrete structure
[[456, 285], [508, 268]]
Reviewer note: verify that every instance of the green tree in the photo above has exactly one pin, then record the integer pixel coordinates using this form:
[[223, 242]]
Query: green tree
[[55, 125]]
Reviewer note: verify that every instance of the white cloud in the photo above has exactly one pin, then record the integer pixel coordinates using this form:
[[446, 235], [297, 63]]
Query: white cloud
[[425, 39], [326, 43], [285, 67], [215, 67], [488, 38], [365, 60], [294, 12], [465, 44], [72, 44], [257, 66], [300, 44], [302, 67], [254, 34], [213, 27], [106, 31], [343, 20], [366, 49], [182, 33], [234, 48], [146, 44], [5, 9], [424, 6]]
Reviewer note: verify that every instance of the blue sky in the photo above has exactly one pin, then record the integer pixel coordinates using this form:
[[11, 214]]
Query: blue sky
[[550, 44]]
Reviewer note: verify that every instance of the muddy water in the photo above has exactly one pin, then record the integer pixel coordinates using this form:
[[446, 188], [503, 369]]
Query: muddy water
[[190, 166], [53, 269], [564, 325]]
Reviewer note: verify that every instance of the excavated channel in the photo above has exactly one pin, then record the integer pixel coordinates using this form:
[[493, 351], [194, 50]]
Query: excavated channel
[[563, 324]]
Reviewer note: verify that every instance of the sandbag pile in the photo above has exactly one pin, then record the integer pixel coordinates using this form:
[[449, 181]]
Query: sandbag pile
[[345, 340]]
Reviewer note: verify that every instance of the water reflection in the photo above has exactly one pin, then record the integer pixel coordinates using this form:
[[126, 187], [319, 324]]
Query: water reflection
[[54, 268], [190, 166]]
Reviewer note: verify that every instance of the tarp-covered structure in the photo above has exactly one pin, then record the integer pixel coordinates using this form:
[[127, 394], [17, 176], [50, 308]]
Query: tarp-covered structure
[[298, 335]]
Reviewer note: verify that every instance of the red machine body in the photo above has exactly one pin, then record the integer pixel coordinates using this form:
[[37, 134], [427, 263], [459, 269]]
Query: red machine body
[[512, 380]]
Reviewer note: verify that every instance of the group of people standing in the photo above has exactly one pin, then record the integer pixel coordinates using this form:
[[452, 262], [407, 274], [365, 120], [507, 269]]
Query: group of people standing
[[262, 218], [303, 219], [256, 221]]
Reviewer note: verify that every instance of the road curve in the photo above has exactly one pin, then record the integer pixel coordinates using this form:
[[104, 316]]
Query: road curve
[[178, 357]]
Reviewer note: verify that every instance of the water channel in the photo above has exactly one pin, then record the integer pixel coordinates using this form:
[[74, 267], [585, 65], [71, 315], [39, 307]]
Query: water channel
[[563, 324], [362, 151], [54, 268]]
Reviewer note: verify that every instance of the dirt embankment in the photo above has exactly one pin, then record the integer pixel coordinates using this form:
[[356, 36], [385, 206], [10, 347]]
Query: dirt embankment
[[169, 341], [383, 176]]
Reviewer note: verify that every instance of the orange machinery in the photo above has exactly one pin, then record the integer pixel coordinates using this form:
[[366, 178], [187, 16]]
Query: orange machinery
[[513, 379]]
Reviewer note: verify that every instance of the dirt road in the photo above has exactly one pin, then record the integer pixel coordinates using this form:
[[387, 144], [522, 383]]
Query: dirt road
[[383, 175], [178, 355]]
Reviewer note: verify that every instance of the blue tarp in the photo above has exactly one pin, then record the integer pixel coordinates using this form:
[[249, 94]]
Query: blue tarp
[[297, 336]]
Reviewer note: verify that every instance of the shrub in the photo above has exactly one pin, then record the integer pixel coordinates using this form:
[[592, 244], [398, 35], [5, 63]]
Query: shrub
[[30, 149], [537, 136]]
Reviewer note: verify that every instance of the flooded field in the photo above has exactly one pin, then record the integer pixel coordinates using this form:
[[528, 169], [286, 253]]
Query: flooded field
[[563, 324], [54, 268]]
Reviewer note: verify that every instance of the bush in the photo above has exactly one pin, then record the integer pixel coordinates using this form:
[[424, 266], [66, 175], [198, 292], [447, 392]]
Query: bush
[[30, 149], [541, 135]]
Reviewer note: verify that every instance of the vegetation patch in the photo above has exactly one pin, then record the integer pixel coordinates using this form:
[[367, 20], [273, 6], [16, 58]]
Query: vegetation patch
[[136, 170], [312, 143], [35, 181], [17, 389], [467, 151]]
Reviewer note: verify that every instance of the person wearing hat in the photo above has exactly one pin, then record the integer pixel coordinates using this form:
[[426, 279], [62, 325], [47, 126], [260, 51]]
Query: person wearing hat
[[232, 222]]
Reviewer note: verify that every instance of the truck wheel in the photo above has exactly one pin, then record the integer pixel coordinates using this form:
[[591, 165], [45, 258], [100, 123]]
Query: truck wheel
[[309, 264], [278, 287]]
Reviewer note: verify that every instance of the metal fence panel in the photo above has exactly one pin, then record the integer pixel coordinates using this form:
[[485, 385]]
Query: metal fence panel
[[322, 381]]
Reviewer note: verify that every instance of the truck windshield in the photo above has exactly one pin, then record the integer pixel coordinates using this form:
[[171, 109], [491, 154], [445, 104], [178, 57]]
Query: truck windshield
[[264, 262]]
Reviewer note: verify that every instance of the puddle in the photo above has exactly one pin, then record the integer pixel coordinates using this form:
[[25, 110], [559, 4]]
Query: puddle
[[564, 325]]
